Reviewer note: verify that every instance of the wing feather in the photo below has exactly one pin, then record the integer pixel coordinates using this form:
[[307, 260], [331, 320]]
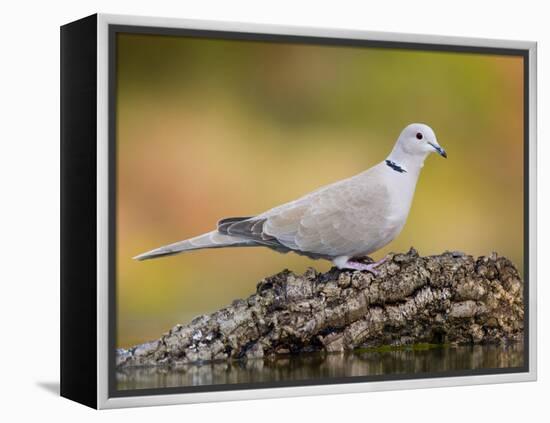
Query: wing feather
[[339, 219]]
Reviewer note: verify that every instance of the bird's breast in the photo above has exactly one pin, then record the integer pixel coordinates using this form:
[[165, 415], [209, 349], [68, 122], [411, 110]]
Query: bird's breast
[[400, 195]]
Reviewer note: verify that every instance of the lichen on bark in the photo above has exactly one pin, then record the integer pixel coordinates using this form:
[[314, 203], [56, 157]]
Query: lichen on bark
[[448, 298]]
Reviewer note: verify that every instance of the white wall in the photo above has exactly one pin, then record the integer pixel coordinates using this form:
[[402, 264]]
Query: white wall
[[29, 170]]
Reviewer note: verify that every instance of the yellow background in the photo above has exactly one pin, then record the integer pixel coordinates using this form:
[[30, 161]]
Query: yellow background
[[208, 129]]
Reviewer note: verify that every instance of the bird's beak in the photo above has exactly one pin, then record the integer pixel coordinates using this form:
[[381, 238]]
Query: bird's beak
[[439, 150]]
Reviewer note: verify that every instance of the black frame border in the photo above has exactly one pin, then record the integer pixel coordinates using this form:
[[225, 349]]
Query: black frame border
[[78, 211], [114, 29]]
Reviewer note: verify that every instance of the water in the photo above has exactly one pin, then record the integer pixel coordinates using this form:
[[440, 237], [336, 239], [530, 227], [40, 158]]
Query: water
[[323, 366]]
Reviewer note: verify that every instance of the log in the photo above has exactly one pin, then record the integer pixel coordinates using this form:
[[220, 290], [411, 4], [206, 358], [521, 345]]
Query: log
[[451, 298]]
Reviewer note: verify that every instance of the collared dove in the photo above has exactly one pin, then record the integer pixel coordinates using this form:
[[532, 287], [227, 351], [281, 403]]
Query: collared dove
[[340, 222]]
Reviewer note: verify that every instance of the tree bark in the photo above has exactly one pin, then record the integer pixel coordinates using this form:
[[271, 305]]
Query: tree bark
[[448, 298]]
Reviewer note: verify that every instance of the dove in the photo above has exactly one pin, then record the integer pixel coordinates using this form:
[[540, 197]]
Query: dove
[[341, 222]]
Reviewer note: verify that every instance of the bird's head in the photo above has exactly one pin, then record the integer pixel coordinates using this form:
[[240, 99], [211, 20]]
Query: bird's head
[[418, 139]]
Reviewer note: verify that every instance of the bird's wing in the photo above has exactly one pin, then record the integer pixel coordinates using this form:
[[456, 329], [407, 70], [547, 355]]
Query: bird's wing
[[335, 220]]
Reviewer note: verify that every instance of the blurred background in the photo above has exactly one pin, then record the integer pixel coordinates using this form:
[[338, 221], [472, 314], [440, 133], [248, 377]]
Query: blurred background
[[208, 129]]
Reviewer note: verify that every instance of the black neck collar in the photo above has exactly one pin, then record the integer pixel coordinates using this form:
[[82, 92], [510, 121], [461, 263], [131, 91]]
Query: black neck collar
[[395, 166]]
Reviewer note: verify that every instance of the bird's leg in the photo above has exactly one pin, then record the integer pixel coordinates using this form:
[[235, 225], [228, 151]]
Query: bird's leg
[[371, 267]]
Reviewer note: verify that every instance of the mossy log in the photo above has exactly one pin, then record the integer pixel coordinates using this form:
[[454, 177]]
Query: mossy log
[[448, 298]]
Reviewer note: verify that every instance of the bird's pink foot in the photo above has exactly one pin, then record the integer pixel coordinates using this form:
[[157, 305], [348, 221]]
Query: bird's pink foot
[[371, 267]]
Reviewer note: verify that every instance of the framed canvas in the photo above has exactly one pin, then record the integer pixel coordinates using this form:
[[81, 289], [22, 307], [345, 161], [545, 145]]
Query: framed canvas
[[255, 211]]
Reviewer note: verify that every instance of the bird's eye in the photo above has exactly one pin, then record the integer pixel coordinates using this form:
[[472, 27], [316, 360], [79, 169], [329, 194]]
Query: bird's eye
[[419, 136]]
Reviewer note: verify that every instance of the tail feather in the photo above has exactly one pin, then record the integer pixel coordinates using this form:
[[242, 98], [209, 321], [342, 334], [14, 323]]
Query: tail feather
[[209, 240]]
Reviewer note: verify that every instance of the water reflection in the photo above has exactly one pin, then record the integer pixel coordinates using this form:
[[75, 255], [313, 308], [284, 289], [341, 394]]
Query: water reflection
[[320, 366]]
